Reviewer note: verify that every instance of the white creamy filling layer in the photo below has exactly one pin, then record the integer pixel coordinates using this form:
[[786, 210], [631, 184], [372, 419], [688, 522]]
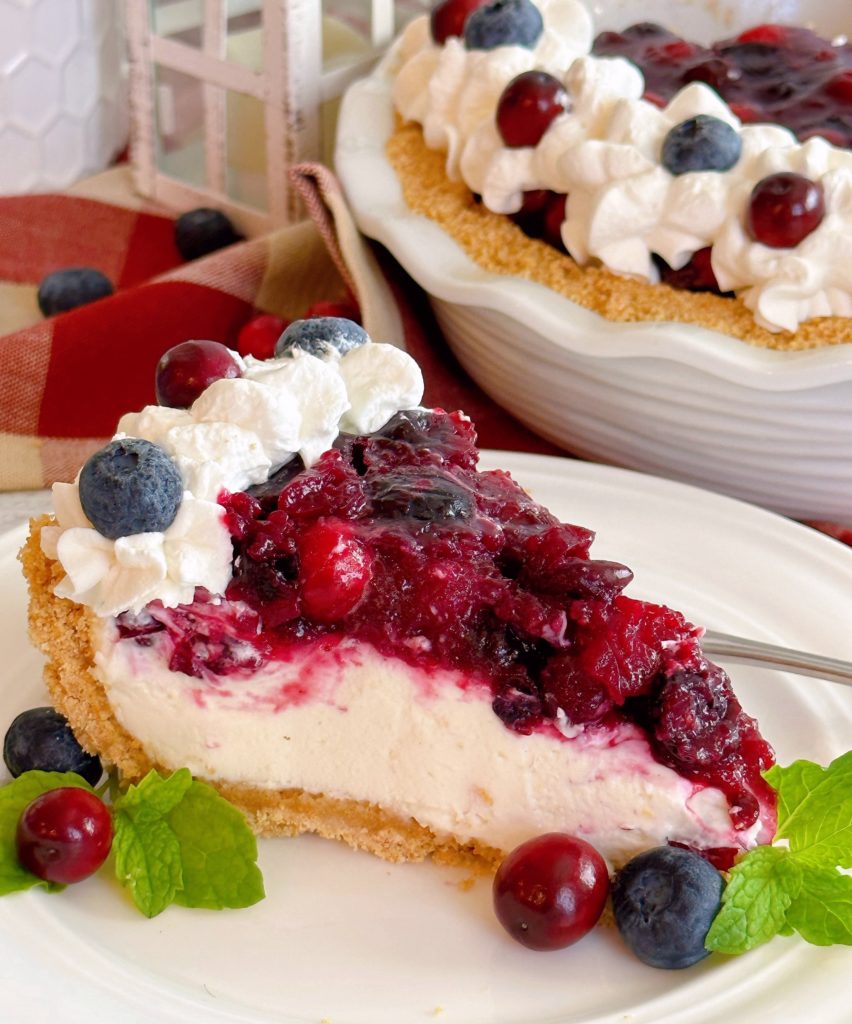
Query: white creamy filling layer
[[349, 723]]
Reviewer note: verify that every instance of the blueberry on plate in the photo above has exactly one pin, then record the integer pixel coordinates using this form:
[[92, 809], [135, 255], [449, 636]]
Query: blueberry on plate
[[319, 334], [41, 740], [701, 143], [130, 486], [72, 287], [503, 23], [664, 901], [202, 231]]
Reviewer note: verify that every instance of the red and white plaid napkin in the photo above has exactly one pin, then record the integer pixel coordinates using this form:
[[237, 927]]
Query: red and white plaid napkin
[[66, 381]]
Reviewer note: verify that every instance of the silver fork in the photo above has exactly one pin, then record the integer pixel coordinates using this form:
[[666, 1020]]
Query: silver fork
[[752, 652]]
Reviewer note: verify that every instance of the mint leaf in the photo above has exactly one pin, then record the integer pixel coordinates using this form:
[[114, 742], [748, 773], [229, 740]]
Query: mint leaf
[[755, 901], [796, 887], [822, 912], [155, 796], [147, 853], [178, 841], [815, 810], [218, 852], [14, 798]]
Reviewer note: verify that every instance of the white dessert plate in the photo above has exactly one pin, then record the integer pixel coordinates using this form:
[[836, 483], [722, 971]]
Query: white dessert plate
[[671, 399], [347, 939]]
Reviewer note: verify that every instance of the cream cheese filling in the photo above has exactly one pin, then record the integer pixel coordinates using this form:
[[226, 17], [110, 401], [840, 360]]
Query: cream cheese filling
[[342, 720]]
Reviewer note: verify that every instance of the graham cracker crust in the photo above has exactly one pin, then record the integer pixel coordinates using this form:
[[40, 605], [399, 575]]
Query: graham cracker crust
[[498, 245], [63, 631]]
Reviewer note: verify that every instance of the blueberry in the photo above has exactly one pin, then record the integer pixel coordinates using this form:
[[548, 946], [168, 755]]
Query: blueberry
[[319, 334], [504, 23], [664, 902], [701, 143], [41, 739], [75, 286], [202, 231], [131, 486], [419, 493]]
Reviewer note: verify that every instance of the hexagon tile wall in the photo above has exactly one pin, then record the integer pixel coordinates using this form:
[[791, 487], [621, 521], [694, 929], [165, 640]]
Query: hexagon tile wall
[[63, 96]]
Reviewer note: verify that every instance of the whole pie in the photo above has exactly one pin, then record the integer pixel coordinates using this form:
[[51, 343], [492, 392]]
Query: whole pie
[[643, 176]]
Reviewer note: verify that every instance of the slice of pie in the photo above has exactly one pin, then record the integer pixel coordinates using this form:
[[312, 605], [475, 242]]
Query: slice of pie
[[397, 649]]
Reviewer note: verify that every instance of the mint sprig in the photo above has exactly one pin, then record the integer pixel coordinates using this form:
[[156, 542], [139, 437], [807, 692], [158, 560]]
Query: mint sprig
[[14, 798], [175, 841], [795, 885], [178, 841]]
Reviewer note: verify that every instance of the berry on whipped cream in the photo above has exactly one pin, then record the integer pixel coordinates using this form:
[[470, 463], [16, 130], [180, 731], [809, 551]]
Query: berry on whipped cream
[[237, 432]]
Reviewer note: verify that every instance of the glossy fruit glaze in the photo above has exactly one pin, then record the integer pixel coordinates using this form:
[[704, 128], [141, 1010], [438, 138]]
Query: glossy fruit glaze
[[396, 539], [769, 73]]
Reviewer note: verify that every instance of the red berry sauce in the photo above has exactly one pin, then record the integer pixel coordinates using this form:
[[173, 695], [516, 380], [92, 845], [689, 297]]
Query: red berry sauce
[[396, 540], [770, 73]]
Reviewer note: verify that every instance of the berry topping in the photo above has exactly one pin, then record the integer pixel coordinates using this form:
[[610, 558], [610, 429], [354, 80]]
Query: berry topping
[[697, 716], [202, 231], [334, 569], [695, 276], [840, 87], [318, 335], [701, 143], [130, 486], [664, 902], [64, 835], [550, 891], [41, 740], [771, 73], [67, 289], [448, 18], [528, 105], [190, 368], [503, 23], [397, 537], [567, 688], [554, 216], [258, 336], [784, 209]]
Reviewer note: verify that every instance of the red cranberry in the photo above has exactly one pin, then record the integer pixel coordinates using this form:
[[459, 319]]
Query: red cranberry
[[334, 570], [64, 835], [550, 891], [189, 368], [257, 337], [528, 105], [769, 35], [565, 686], [784, 209], [448, 18], [626, 656]]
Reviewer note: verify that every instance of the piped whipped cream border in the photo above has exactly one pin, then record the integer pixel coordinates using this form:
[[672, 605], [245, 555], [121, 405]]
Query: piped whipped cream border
[[604, 154], [237, 433]]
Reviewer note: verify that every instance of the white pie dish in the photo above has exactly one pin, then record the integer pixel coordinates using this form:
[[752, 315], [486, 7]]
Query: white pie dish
[[680, 401]]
